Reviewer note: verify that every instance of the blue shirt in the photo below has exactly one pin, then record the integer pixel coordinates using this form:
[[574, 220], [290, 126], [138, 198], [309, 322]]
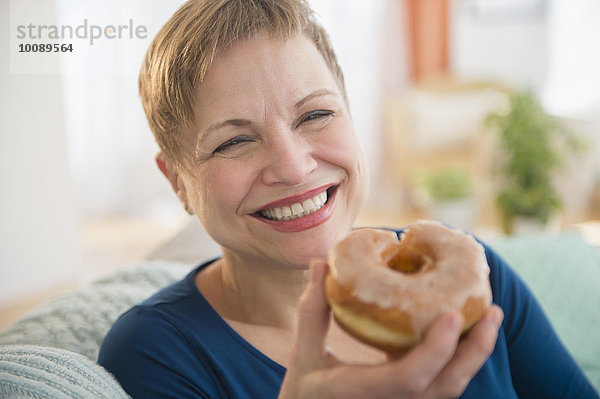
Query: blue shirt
[[175, 345]]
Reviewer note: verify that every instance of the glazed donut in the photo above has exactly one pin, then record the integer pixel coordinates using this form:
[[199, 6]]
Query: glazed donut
[[386, 292]]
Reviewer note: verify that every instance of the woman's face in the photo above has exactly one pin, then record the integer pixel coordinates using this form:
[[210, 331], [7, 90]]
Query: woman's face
[[277, 172]]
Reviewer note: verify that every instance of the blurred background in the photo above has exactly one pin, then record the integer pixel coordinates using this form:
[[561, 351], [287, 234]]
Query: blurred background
[[484, 114]]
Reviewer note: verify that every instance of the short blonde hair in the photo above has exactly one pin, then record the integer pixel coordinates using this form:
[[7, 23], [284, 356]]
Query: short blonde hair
[[183, 51]]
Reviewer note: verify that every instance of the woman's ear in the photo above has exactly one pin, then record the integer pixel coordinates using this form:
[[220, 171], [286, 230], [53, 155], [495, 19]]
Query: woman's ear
[[168, 170]]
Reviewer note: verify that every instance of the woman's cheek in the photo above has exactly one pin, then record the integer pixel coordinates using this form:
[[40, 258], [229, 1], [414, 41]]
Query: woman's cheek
[[340, 147], [230, 183]]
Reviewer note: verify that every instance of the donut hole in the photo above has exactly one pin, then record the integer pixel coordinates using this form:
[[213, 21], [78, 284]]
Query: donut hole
[[407, 262]]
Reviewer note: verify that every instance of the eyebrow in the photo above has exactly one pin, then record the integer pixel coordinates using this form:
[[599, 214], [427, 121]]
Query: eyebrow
[[230, 122], [314, 94], [246, 122]]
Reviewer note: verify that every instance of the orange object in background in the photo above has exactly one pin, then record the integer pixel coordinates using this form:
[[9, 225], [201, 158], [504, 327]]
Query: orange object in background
[[428, 37]]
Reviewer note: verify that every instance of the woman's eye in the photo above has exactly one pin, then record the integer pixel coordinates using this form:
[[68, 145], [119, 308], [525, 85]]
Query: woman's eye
[[231, 143], [315, 116]]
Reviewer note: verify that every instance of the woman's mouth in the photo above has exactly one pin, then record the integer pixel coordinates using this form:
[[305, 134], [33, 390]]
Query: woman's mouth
[[297, 209], [300, 214]]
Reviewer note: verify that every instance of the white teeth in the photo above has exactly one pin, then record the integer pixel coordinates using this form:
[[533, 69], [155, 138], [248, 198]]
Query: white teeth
[[308, 205], [278, 213], [296, 209]]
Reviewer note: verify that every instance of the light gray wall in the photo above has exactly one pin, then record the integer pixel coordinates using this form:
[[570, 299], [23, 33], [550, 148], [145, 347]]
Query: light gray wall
[[38, 216], [507, 48]]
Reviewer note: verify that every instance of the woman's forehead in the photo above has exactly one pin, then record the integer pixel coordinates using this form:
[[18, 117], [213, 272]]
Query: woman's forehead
[[266, 66]]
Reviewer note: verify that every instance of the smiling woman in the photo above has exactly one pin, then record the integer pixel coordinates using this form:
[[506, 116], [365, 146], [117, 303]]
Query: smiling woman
[[271, 129], [248, 105]]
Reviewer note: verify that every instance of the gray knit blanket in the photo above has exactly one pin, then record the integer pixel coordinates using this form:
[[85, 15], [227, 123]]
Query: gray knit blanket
[[51, 351], [28, 371]]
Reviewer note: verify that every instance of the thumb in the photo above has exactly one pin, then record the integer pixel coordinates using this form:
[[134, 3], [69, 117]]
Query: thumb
[[313, 315]]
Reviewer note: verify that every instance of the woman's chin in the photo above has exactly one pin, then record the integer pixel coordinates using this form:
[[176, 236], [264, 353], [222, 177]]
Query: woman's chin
[[301, 251]]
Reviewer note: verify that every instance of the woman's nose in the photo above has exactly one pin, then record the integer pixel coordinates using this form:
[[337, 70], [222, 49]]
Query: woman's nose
[[289, 159]]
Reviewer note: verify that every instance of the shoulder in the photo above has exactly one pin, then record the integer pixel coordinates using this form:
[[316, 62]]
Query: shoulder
[[136, 336], [161, 358], [151, 357], [160, 318]]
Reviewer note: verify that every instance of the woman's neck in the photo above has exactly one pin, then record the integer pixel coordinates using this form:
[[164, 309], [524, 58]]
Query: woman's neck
[[253, 292]]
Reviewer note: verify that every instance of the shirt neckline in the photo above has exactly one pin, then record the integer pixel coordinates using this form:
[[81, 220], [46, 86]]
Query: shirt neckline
[[190, 280]]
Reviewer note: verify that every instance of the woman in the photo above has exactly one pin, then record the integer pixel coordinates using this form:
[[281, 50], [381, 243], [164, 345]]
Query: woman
[[248, 105]]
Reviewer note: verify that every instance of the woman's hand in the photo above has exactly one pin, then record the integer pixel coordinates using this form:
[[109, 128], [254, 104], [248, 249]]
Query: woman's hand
[[439, 367]]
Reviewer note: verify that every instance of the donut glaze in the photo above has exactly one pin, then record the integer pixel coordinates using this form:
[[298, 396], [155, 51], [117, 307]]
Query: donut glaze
[[387, 292]]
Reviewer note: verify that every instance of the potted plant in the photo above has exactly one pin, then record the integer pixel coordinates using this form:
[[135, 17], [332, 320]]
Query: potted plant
[[534, 147], [449, 196]]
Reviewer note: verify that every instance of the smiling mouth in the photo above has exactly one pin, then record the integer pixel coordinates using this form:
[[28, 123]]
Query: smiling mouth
[[297, 210]]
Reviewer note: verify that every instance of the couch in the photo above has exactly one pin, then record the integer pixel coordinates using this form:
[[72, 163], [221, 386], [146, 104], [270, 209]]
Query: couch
[[51, 352]]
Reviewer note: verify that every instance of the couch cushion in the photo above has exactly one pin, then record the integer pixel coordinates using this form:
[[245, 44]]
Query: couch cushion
[[78, 321], [28, 371], [563, 272]]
